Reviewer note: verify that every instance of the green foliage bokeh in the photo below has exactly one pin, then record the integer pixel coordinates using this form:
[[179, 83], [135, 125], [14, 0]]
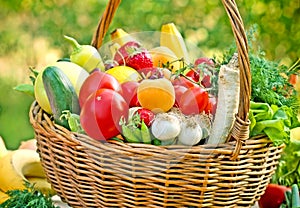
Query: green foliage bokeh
[[203, 22]]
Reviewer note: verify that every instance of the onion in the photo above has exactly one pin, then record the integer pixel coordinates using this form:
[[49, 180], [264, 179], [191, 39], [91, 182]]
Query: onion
[[165, 127], [191, 132]]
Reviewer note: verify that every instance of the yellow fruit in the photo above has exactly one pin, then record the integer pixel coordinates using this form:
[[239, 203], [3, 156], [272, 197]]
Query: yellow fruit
[[124, 74], [74, 72], [157, 95], [121, 37], [172, 38], [19, 165], [162, 55], [3, 197]]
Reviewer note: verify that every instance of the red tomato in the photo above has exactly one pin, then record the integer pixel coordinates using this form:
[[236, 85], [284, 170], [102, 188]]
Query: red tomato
[[101, 113], [183, 82], [273, 196], [129, 92], [193, 75], [146, 115], [211, 105], [204, 60], [193, 101], [95, 81], [179, 90]]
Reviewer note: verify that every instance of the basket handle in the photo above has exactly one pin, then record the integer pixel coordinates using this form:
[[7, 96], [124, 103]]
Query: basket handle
[[104, 22], [240, 131]]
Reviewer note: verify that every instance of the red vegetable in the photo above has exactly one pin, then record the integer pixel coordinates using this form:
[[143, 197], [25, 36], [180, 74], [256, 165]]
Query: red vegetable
[[129, 92], [101, 113], [193, 101], [179, 90], [183, 82], [200, 73], [95, 81], [146, 115], [211, 105], [273, 196]]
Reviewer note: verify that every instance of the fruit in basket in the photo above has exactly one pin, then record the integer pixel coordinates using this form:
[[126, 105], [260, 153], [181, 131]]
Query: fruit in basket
[[61, 94], [121, 37], [183, 81], [165, 57], [171, 38], [157, 95], [20, 166], [101, 113], [211, 105], [85, 56], [147, 116], [202, 71], [193, 101], [132, 54], [95, 81], [75, 73], [129, 92], [124, 74], [179, 90]]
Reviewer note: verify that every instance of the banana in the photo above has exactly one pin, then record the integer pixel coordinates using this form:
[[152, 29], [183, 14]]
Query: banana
[[19, 166], [3, 197], [170, 37], [3, 150], [121, 37], [41, 184]]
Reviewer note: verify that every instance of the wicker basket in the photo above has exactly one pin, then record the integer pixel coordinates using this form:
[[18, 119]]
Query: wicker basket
[[88, 173]]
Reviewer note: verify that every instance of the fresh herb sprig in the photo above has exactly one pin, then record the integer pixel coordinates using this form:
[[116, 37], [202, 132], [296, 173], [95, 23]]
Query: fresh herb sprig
[[269, 80], [28, 198]]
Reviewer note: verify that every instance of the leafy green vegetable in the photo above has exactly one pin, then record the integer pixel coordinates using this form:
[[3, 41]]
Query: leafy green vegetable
[[28, 198], [273, 121]]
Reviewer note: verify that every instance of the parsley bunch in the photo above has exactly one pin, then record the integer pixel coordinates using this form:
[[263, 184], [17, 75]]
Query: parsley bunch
[[27, 198]]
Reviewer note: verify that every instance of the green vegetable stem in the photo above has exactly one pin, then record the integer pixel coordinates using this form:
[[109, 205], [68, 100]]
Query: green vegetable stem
[[292, 199], [85, 56]]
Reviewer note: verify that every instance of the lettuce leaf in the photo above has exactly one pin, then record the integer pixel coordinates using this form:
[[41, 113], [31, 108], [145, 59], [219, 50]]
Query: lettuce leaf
[[276, 122]]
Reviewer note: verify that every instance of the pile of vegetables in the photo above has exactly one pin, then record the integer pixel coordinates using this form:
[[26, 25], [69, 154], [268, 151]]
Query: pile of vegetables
[[137, 95], [155, 96]]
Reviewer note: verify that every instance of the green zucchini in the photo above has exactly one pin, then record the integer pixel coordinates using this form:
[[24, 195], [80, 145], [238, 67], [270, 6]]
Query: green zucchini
[[61, 94]]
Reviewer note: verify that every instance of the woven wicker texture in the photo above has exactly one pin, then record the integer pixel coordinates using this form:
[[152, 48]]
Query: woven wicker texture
[[88, 173]]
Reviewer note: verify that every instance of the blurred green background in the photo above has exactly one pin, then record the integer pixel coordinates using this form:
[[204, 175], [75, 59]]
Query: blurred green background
[[31, 35]]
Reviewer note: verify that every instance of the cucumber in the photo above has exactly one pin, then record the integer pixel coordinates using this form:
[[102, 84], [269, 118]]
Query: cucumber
[[61, 94]]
